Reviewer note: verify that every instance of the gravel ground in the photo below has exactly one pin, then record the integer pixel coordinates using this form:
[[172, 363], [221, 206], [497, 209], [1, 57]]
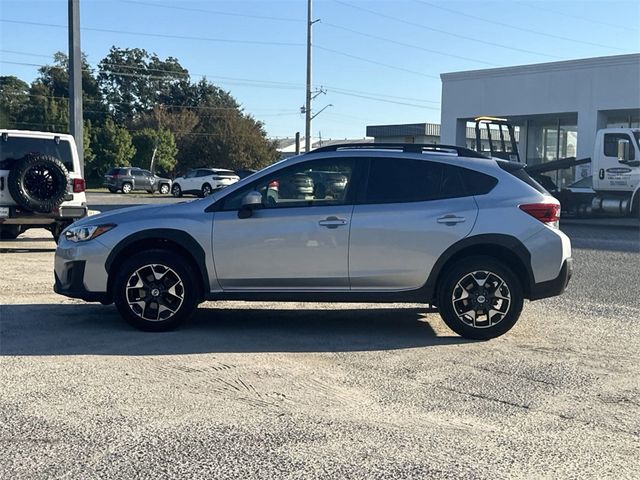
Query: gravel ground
[[276, 390]]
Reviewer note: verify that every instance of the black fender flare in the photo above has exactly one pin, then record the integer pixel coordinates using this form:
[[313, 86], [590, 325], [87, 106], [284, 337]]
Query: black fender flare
[[187, 245], [489, 241]]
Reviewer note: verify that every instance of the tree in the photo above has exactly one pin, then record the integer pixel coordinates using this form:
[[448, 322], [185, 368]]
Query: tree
[[14, 98], [162, 141], [112, 147], [133, 81]]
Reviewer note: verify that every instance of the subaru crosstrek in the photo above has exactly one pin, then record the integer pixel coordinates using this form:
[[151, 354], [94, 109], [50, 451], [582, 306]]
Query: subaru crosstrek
[[445, 226]]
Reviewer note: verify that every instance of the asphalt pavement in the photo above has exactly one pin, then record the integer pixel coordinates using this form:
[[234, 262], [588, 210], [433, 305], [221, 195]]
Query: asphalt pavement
[[301, 391]]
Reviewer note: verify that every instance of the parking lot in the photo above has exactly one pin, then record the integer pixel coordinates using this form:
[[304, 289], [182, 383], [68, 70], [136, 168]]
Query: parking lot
[[282, 390]]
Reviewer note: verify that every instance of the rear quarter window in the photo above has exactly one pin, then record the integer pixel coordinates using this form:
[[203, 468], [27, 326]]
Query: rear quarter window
[[518, 171]]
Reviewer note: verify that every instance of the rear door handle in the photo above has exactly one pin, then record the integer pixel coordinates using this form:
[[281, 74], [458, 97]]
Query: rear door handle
[[450, 219], [332, 222]]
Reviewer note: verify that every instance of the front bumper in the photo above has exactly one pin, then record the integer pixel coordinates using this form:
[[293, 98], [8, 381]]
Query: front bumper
[[556, 286], [69, 281]]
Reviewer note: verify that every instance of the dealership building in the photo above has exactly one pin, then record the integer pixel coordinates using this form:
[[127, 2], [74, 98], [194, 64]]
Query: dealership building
[[557, 107]]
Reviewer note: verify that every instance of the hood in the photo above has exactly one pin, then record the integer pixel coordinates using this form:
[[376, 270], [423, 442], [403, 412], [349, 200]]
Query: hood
[[128, 214]]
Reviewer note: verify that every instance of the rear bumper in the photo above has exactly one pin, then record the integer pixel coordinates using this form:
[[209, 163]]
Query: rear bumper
[[64, 214], [556, 286]]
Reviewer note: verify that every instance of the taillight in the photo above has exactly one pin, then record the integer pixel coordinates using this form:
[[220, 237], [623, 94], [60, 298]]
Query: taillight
[[78, 185], [548, 213]]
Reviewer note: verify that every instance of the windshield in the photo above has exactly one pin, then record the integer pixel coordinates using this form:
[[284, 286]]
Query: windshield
[[15, 148]]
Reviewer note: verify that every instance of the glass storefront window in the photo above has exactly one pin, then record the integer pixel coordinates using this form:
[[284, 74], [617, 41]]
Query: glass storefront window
[[553, 139]]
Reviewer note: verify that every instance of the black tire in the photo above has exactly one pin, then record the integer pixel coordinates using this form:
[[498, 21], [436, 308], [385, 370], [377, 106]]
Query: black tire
[[150, 191], [127, 188], [172, 267], [481, 297], [206, 190], [38, 183], [164, 189], [176, 191], [10, 232], [113, 190]]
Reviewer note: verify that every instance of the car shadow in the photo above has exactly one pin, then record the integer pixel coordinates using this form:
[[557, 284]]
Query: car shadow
[[91, 329]]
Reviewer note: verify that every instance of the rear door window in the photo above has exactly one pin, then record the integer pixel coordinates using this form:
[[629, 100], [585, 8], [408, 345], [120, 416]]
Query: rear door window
[[402, 180]]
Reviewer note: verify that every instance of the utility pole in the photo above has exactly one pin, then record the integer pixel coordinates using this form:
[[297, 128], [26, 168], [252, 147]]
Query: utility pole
[[307, 120], [75, 80]]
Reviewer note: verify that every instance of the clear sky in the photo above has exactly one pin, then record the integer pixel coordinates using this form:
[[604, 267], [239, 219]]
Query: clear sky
[[378, 61]]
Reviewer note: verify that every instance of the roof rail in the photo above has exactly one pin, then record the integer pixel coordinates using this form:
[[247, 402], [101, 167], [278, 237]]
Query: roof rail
[[405, 147]]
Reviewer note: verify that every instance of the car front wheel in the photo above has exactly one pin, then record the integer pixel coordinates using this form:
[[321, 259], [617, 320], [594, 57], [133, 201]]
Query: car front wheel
[[164, 189], [176, 191], [155, 290], [480, 298]]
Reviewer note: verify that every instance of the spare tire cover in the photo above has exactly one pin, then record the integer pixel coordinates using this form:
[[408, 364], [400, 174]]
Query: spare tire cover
[[38, 182]]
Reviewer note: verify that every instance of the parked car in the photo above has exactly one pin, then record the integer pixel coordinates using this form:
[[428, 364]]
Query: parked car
[[203, 181], [328, 183], [129, 179], [444, 226], [40, 182]]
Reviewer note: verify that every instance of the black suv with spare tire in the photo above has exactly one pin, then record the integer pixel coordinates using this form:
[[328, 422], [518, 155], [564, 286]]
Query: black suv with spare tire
[[40, 182]]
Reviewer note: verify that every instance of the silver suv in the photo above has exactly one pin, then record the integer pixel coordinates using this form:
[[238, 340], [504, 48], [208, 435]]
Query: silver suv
[[440, 225]]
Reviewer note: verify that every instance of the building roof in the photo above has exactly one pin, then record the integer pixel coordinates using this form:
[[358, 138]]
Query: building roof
[[583, 63]]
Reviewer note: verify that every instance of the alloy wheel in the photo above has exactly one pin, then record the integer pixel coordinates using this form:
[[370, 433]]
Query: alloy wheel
[[481, 299], [154, 292], [206, 190]]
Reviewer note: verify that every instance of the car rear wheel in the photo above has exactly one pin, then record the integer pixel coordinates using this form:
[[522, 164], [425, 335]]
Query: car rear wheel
[[164, 189], [176, 191], [155, 290], [480, 298], [127, 187]]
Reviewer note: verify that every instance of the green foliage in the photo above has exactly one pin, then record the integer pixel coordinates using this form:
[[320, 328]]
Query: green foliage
[[14, 98], [132, 80], [162, 141], [112, 147]]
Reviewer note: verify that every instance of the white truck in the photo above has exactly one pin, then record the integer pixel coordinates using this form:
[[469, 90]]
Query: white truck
[[40, 182], [614, 187], [616, 172]]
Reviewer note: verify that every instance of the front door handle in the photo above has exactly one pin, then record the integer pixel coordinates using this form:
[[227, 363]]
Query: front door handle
[[332, 222], [450, 219]]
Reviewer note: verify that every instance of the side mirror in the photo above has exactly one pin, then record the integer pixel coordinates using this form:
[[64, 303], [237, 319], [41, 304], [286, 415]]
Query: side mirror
[[250, 202], [623, 150]]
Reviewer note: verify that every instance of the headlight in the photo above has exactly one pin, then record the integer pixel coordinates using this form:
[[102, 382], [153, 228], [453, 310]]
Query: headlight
[[85, 233]]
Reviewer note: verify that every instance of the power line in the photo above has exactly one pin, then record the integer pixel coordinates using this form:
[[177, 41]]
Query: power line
[[514, 27], [374, 62], [386, 101], [403, 44], [157, 35], [584, 19], [233, 79], [444, 32], [214, 12]]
